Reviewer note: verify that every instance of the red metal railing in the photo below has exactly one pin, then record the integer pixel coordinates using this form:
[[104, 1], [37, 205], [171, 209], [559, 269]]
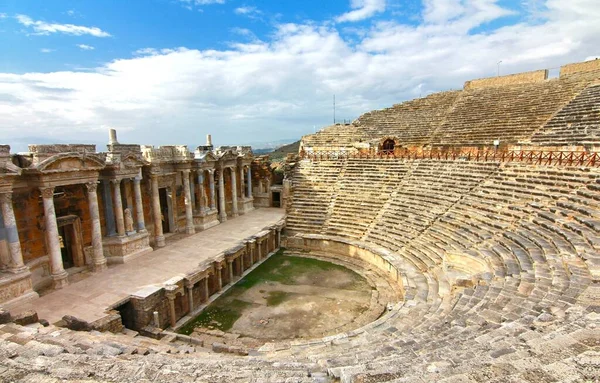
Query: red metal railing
[[536, 157]]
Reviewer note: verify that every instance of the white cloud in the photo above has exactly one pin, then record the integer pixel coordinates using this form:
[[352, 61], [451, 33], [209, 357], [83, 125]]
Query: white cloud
[[3, 16], [85, 47], [470, 13], [282, 87], [246, 10], [189, 4], [362, 9], [249, 12], [154, 51], [47, 50], [44, 28]]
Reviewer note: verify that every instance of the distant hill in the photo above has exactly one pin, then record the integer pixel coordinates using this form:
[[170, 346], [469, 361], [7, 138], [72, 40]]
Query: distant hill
[[279, 154]]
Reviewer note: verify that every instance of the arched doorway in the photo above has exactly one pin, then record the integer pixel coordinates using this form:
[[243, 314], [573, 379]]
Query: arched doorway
[[388, 146]]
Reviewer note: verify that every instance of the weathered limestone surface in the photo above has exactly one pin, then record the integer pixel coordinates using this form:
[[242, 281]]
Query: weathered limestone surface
[[512, 79], [482, 250], [575, 124]]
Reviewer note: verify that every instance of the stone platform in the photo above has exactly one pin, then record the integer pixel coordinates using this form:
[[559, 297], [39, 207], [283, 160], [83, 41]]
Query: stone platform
[[89, 298]]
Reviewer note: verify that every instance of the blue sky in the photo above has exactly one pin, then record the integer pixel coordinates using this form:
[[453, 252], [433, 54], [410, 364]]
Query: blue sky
[[171, 71]]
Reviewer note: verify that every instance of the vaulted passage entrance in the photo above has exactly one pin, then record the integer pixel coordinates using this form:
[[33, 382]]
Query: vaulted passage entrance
[[71, 241], [388, 146], [164, 209]]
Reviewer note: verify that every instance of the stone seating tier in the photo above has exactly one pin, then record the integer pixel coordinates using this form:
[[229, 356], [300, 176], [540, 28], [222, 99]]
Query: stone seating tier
[[578, 123], [526, 223], [555, 112]]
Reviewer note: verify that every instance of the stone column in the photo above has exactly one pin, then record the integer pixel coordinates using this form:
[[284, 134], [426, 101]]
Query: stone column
[[273, 238], [241, 264], [242, 191], [258, 249], [109, 213], [58, 273], [278, 243], [118, 207], [172, 314], [248, 252], [98, 258], [190, 294], [189, 214], [139, 205], [234, 199], [220, 277], [16, 264], [222, 213], [192, 191], [159, 238], [213, 199], [4, 253], [206, 294], [249, 182], [230, 267], [201, 194], [251, 250]]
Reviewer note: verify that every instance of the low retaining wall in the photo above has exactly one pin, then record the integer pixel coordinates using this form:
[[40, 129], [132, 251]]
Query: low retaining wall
[[183, 296], [345, 248]]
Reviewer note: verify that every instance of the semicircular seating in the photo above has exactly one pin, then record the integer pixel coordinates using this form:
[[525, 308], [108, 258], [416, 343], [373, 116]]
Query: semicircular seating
[[535, 228]]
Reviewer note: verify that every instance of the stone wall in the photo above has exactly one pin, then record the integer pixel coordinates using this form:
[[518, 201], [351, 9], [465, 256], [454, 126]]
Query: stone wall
[[143, 308], [29, 214], [343, 248], [62, 148], [511, 79], [137, 311], [147, 203], [75, 202], [587, 66]]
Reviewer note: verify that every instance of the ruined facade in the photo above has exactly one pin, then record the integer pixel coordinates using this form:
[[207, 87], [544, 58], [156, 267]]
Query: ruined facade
[[68, 208]]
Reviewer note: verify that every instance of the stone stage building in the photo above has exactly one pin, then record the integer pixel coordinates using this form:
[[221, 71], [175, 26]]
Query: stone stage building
[[68, 208]]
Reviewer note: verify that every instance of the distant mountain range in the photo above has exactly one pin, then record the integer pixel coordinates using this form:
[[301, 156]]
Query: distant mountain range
[[270, 145]]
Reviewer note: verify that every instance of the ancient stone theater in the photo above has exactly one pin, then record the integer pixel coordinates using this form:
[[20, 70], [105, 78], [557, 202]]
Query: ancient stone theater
[[472, 216]]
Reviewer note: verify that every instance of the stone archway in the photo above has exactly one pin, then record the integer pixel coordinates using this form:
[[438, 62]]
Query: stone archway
[[388, 146]]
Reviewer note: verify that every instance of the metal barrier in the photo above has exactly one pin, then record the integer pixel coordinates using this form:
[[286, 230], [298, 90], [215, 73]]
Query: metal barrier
[[536, 157]]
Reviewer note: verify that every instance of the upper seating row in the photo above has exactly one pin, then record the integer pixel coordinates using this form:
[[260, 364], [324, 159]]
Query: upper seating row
[[561, 111]]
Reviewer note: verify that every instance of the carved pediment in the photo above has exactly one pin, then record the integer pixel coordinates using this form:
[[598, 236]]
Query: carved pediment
[[228, 155], [9, 169], [132, 160], [66, 162], [207, 157]]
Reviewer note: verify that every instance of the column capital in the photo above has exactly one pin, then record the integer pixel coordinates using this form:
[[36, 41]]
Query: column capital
[[47, 192], [171, 291], [92, 187], [186, 171], [115, 181]]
